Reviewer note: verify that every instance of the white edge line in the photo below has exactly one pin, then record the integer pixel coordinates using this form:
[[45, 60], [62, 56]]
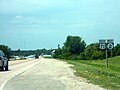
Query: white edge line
[[3, 84]]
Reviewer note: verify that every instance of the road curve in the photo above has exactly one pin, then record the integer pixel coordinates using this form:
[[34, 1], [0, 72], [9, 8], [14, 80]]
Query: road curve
[[43, 74]]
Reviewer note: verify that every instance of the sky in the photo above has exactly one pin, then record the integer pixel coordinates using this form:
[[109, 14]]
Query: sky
[[37, 24]]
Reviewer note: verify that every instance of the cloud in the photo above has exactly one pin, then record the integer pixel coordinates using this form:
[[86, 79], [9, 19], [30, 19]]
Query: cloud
[[36, 20], [19, 17]]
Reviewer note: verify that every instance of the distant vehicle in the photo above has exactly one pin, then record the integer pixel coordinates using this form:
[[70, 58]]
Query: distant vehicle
[[47, 56], [16, 57], [3, 61], [30, 57]]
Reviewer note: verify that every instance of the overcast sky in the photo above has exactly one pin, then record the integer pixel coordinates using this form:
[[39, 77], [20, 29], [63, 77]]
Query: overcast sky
[[37, 24]]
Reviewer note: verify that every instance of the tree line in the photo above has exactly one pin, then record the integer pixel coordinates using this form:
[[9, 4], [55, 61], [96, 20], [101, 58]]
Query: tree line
[[37, 52], [75, 48], [10, 53]]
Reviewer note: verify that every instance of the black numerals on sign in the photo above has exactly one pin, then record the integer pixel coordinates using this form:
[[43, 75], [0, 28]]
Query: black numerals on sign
[[110, 46]]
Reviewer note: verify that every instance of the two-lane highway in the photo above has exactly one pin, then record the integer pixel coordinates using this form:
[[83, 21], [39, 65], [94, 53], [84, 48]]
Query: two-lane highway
[[43, 74]]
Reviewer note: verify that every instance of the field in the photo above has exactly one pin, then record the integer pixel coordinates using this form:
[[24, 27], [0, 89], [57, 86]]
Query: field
[[95, 72]]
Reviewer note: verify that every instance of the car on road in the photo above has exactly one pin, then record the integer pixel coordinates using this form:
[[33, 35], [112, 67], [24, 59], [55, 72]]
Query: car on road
[[3, 61], [30, 57]]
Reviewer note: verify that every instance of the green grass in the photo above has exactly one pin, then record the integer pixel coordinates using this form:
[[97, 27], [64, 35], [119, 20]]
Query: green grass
[[95, 72]]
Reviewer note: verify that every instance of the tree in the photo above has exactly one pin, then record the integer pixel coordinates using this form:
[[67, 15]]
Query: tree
[[58, 52], [74, 45], [116, 50], [92, 52]]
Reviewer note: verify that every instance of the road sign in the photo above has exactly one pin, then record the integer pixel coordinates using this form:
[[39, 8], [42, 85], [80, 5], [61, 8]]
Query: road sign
[[110, 46], [106, 44], [110, 41], [102, 44], [102, 41]]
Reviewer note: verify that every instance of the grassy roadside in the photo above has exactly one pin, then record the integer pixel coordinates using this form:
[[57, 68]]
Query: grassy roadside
[[95, 72]]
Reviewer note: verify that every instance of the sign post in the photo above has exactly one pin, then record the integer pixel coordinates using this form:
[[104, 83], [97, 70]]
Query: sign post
[[106, 45], [106, 60]]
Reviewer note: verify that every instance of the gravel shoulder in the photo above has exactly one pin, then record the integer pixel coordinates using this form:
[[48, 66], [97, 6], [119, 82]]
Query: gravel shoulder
[[62, 71]]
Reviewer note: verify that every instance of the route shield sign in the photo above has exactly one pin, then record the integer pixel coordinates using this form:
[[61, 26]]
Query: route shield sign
[[106, 44], [102, 44], [110, 44]]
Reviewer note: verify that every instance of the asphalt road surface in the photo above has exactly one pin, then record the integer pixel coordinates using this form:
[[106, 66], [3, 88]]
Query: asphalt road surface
[[42, 74]]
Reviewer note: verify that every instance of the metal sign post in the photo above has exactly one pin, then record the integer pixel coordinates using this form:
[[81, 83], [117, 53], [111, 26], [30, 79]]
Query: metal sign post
[[106, 45], [106, 60]]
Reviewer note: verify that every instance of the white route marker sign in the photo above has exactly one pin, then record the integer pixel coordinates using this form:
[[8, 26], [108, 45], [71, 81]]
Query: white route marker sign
[[110, 44], [102, 44], [106, 44]]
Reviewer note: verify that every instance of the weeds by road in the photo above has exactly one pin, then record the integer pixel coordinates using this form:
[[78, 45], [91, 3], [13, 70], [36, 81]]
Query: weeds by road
[[95, 72]]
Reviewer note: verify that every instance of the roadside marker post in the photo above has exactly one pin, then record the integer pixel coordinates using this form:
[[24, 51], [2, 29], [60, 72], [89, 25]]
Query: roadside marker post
[[106, 45]]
